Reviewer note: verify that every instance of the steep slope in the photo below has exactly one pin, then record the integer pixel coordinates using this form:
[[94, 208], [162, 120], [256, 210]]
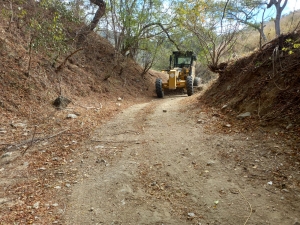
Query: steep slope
[[34, 135], [264, 84]]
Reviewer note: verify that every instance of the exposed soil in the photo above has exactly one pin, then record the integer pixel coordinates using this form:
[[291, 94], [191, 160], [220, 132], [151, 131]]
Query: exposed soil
[[123, 160], [159, 163]]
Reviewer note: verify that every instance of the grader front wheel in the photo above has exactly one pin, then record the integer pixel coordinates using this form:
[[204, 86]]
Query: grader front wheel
[[189, 85], [159, 88]]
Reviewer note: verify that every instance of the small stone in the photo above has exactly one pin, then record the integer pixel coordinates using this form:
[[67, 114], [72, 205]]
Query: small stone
[[244, 115], [68, 185], [209, 163], [61, 102], [199, 121], [153, 184], [3, 131], [36, 205], [72, 116], [191, 214], [224, 106], [91, 209], [164, 110], [119, 99], [55, 204], [99, 146], [41, 169], [57, 187], [227, 125], [270, 183], [118, 104], [289, 126], [285, 190], [16, 125], [7, 154]]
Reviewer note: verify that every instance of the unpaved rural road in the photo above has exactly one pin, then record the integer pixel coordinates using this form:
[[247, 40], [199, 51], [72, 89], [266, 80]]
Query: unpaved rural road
[[155, 163]]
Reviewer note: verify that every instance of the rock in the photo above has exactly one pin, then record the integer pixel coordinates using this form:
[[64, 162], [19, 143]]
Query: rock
[[227, 125], [210, 163], [119, 99], [100, 161], [118, 104], [191, 215], [68, 185], [72, 116], [61, 102], [91, 209], [41, 169], [164, 110], [224, 106], [16, 125], [7, 154], [3, 132], [244, 115], [199, 121], [36, 205], [55, 204]]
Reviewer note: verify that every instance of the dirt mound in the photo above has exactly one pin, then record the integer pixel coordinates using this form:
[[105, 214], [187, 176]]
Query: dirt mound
[[265, 83]]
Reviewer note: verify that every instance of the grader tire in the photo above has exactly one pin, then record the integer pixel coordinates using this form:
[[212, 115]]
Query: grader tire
[[159, 88], [189, 85], [196, 81]]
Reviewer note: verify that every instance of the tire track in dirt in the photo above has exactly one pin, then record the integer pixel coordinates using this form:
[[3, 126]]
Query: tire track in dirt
[[154, 164]]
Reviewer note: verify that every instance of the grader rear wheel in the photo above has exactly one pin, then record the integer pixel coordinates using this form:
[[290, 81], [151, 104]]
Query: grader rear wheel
[[196, 81], [189, 85], [159, 88]]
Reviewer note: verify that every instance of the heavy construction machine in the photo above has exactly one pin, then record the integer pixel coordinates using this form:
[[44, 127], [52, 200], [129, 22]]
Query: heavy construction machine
[[181, 74]]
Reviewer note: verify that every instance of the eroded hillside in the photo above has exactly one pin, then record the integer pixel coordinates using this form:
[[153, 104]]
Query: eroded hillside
[[265, 84]]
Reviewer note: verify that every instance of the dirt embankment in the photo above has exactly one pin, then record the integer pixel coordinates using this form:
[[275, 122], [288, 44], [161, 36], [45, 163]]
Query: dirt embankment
[[265, 83], [35, 136]]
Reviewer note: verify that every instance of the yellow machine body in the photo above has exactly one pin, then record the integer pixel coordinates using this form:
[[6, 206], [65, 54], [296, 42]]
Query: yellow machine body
[[177, 78], [181, 74]]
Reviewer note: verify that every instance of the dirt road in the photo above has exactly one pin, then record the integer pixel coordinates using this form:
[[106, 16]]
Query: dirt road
[[156, 163]]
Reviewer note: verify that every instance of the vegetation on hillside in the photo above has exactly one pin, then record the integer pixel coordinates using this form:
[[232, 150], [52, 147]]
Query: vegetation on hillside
[[148, 31]]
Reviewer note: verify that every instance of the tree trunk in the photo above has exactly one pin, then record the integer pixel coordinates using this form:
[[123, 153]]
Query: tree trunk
[[279, 10], [89, 28]]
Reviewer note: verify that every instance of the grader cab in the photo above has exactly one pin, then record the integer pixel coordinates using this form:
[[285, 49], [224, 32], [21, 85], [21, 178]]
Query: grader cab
[[181, 74]]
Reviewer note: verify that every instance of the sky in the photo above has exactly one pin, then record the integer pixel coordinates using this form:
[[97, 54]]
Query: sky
[[291, 6]]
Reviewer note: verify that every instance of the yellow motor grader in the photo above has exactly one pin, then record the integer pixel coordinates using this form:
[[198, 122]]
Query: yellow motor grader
[[181, 74]]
